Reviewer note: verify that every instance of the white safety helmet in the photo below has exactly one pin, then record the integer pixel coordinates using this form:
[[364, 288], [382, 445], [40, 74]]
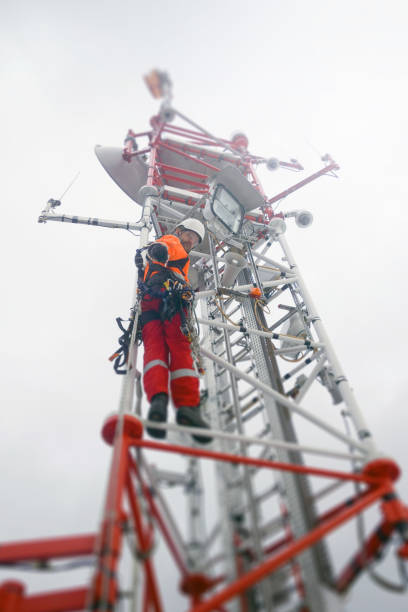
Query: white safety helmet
[[193, 225]]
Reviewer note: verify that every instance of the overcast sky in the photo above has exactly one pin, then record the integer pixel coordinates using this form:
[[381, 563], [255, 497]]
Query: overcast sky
[[300, 79]]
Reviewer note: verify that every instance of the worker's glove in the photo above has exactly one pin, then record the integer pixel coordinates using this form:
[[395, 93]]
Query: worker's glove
[[158, 252], [139, 259]]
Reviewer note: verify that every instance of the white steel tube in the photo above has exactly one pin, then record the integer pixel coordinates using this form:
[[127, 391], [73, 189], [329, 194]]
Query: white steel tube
[[293, 349], [127, 225], [311, 378], [250, 440], [258, 332], [303, 363], [207, 257], [348, 396], [128, 383], [274, 263], [175, 214], [282, 399], [274, 283]]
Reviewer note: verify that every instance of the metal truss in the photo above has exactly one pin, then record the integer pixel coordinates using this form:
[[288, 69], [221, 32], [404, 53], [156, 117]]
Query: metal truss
[[292, 458]]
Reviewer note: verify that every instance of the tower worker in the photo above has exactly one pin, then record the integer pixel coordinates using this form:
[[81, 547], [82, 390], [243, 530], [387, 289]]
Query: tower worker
[[167, 349]]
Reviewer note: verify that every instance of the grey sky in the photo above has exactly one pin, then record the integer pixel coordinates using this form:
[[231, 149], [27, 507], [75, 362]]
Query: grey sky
[[297, 77]]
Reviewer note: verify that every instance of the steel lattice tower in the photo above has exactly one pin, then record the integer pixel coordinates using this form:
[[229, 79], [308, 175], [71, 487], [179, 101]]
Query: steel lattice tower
[[292, 457]]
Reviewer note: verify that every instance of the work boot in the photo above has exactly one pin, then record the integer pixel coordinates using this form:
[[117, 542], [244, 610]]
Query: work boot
[[158, 412], [190, 416]]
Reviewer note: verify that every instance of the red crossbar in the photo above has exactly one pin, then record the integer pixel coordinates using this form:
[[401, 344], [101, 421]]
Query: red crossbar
[[57, 601], [187, 156], [145, 545], [182, 171], [275, 465], [161, 523], [186, 181], [41, 550], [270, 565], [309, 179]]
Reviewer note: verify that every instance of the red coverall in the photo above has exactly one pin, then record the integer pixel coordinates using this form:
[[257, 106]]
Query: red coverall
[[166, 348]]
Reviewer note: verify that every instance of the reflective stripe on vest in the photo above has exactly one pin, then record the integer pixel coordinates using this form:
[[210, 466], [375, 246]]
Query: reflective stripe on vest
[[153, 363], [183, 372]]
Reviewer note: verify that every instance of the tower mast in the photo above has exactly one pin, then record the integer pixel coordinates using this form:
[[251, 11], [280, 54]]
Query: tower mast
[[292, 458]]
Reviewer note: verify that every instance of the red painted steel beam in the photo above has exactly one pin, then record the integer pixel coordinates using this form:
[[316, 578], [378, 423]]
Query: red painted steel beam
[[187, 156], [306, 541], [145, 545], [372, 547], [11, 596], [294, 165], [309, 179], [139, 134], [117, 431], [186, 181], [276, 465], [127, 156], [160, 521], [58, 601], [326, 515], [216, 156], [198, 140], [188, 201], [180, 131], [48, 548], [182, 171]]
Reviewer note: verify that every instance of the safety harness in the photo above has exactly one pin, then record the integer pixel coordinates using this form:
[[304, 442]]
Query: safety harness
[[176, 295], [171, 288]]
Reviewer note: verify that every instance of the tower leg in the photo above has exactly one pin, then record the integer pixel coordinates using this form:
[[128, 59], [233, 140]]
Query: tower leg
[[11, 596]]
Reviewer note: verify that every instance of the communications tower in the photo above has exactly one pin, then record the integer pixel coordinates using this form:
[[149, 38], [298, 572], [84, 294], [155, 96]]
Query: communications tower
[[245, 523]]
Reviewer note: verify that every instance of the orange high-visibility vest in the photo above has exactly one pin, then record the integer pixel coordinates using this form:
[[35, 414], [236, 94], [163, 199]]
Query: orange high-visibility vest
[[179, 261]]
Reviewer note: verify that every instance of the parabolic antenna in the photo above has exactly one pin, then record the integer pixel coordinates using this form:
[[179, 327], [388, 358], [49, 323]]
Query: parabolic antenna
[[129, 176]]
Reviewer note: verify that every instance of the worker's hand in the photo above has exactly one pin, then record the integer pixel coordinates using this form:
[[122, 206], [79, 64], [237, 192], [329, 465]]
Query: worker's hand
[[158, 252], [139, 259]]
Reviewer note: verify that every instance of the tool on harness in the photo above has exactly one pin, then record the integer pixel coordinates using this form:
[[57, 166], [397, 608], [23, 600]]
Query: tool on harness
[[175, 297], [120, 357], [139, 263]]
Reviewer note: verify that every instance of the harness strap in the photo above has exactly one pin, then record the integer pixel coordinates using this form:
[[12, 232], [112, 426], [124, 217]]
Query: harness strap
[[154, 267], [178, 263], [162, 274], [139, 264]]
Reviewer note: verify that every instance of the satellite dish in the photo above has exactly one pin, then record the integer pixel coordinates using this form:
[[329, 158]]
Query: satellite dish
[[129, 176]]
